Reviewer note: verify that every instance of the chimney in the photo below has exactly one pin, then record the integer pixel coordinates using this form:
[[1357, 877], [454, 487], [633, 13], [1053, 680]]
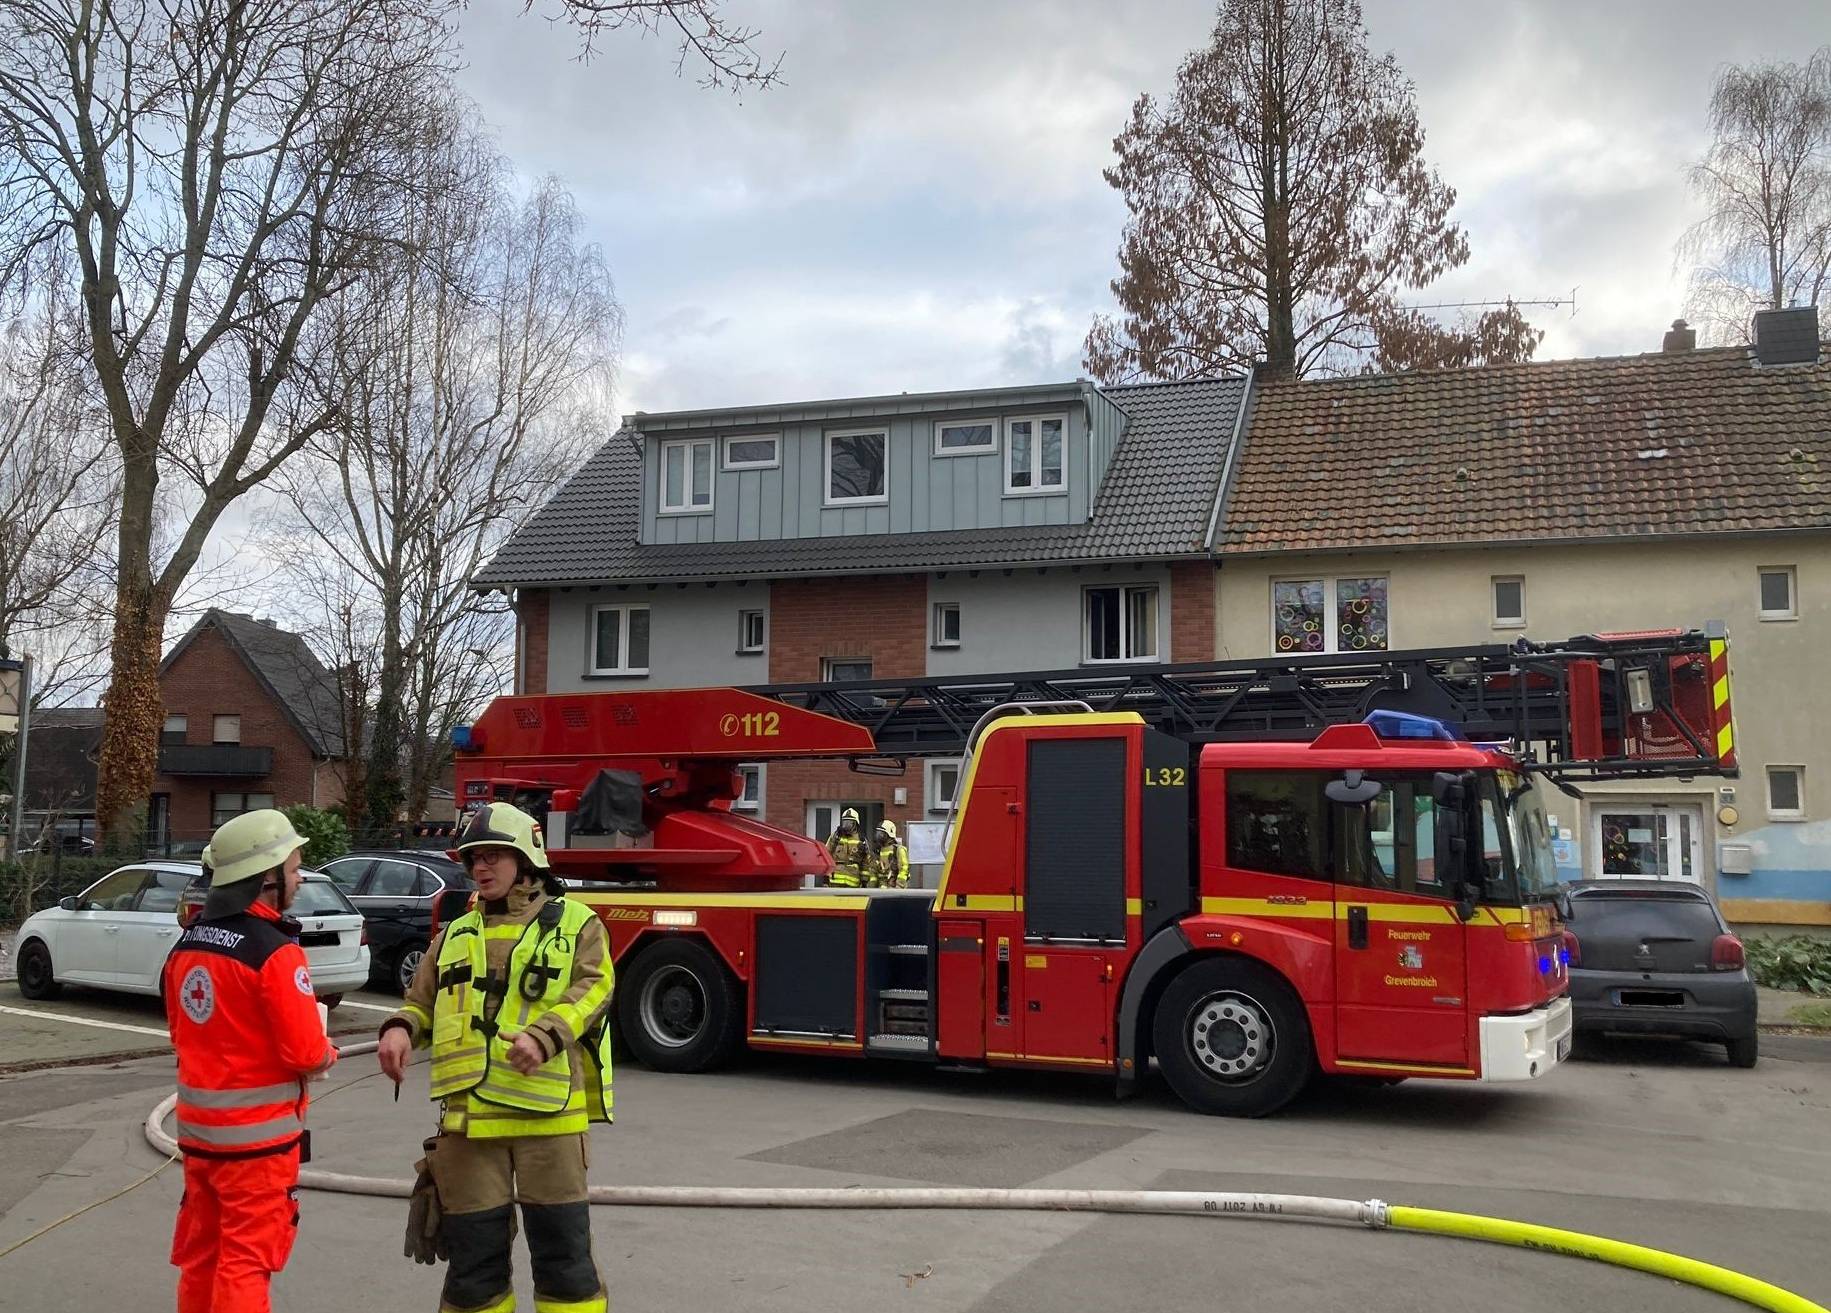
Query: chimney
[[1680, 337], [1787, 337]]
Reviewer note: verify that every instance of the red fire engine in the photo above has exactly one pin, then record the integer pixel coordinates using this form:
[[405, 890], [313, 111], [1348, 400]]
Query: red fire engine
[[1248, 871]]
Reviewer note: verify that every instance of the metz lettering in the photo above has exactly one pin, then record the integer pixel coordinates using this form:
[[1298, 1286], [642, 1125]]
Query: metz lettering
[[1413, 982]]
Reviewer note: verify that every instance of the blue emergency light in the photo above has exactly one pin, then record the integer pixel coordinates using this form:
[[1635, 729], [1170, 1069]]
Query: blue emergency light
[[1404, 725], [460, 737]]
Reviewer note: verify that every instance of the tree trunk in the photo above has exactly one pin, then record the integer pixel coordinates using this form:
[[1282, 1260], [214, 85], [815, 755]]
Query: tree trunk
[[385, 791], [134, 717]]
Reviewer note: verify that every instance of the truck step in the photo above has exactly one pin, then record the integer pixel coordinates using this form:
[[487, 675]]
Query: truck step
[[903, 995], [907, 950], [898, 1043]]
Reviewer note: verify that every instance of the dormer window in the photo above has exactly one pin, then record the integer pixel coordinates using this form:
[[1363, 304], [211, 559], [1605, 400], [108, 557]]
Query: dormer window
[[1035, 459], [686, 477], [855, 467]]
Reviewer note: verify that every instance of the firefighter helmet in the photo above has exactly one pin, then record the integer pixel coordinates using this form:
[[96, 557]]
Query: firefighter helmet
[[887, 829], [249, 845], [506, 826], [849, 814]]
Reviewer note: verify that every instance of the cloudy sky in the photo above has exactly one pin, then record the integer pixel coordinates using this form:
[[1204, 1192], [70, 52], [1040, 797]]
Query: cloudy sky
[[920, 204]]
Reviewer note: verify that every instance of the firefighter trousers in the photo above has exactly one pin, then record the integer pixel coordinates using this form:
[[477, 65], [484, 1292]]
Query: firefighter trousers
[[480, 1181], [236, 1225]]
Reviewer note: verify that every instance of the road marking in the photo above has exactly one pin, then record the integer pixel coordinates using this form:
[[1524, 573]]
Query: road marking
[[366, 1007], [86, 1021]]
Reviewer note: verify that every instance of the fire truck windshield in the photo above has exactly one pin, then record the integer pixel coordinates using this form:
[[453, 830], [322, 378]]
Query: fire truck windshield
[[1515, 841]]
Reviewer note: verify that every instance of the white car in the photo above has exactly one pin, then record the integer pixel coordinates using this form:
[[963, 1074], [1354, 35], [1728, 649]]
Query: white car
[[117, 933]]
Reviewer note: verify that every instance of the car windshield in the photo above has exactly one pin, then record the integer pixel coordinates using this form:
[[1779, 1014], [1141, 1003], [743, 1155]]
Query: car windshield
[[1529, 828], [320, 898]]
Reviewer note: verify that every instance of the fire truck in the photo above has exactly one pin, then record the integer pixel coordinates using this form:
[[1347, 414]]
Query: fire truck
[[1247, 871]]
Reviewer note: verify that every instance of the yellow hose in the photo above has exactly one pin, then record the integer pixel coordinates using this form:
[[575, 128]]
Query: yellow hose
[[1574, 1244]]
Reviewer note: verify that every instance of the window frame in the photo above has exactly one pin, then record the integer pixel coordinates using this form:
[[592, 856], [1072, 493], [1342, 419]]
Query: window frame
[[170, 736], [744, 646], [1499, 621], [1799, 791], [1035, 490], [1087, 592], [686, 486], [773, 463], [937, 633], [931, 771], [1332, 630], [1791, 574], [216, 738], [749, 770], [988, 449], [881, 431], [219, 816], [828, 663], [591, 639]]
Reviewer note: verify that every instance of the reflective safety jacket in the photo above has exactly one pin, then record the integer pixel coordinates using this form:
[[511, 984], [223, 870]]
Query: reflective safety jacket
[[890, 866], [244, 1020], [476, 1015], [851, 859]]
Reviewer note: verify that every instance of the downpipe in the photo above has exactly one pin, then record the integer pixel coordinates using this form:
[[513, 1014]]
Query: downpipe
[[1373, 1214]]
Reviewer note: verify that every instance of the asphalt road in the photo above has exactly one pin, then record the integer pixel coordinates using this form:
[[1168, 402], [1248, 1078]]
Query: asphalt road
[[1667, 1147]]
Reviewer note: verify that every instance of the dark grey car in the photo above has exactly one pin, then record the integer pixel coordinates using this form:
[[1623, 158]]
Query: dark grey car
[[404, 897], [1652, 957]]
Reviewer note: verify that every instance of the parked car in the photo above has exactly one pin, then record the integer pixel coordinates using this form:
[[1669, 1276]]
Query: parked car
[[117, 933], [404, 897], [1653, 957]]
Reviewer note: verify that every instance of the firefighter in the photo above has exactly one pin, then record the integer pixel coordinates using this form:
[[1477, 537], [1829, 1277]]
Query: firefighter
[[512, 998], [889, 859], [851, 855], [246, 1026]]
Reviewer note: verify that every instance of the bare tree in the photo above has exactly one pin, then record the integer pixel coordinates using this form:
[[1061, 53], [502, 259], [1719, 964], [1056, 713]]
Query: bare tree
[[469, 374], [216, 173], [1279, 203], [724, 52], [1766, 180]]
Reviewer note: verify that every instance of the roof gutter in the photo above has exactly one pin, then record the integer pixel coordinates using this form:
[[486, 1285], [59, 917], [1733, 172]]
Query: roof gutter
[[1233, 453]]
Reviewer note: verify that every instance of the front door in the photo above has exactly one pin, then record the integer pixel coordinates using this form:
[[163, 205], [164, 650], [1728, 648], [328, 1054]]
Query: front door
[[1401, 967], [88, 944], [1654, 841]]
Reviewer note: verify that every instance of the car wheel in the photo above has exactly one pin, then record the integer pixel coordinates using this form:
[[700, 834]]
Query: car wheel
[[407, 964], [680, 1009], [36, 979], [1744, 1052], [1232, 1038], [330, 1001]]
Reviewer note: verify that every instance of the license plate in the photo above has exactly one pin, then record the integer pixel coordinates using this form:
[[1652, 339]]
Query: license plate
[[1563, 1048]]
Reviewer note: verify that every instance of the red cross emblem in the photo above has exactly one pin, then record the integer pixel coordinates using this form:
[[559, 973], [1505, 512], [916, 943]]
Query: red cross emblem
[[197, 995]]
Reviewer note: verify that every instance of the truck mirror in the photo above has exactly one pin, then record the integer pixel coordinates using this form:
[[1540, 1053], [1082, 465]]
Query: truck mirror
[[1466, 895], [1450, 788], [1353, 788]]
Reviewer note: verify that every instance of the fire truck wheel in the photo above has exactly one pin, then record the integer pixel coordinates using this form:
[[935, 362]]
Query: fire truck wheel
[[36, 979], [1232, 1039], [680, 1009]]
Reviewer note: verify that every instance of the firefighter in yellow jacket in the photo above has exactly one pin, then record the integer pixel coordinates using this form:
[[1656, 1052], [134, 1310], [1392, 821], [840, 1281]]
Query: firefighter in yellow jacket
[[889, 859], [850, 852], [512, 998]]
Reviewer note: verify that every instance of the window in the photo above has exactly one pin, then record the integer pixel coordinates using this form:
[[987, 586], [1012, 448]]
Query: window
[[855, 467], [1277, 821], [1778, 600], [686, 477], [1786, 793], [226, 729], [1121, 623], [619, 640], [348, 871], [845, 670], [1330, 615], [320, 898], [162, 891], [1391, 843], [1509, 602], [1034, 457], [750, 631], [394, 879], [227, 806], [965, 437], [757, 451], [113, 893], [947, 624], [752, 796], [174, 729], [942, 785]]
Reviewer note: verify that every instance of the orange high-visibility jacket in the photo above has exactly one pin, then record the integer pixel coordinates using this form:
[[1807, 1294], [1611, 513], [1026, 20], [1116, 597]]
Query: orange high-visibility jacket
[[239, 1003]]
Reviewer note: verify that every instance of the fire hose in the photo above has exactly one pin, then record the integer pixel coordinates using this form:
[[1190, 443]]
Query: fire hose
[[1371, 1213]]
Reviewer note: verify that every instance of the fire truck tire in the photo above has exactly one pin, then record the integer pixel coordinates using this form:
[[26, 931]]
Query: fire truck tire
[[679, 1009], [1231, 1038], [36, 978]]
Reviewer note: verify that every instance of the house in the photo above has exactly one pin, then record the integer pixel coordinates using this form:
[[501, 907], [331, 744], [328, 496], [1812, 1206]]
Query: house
[[251, 720], [60, 774], [891, 537], [1564, 497]]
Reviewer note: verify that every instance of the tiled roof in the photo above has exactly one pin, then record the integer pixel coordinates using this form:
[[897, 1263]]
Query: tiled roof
[[300, 684], [1692, 442], [1154, 503]]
